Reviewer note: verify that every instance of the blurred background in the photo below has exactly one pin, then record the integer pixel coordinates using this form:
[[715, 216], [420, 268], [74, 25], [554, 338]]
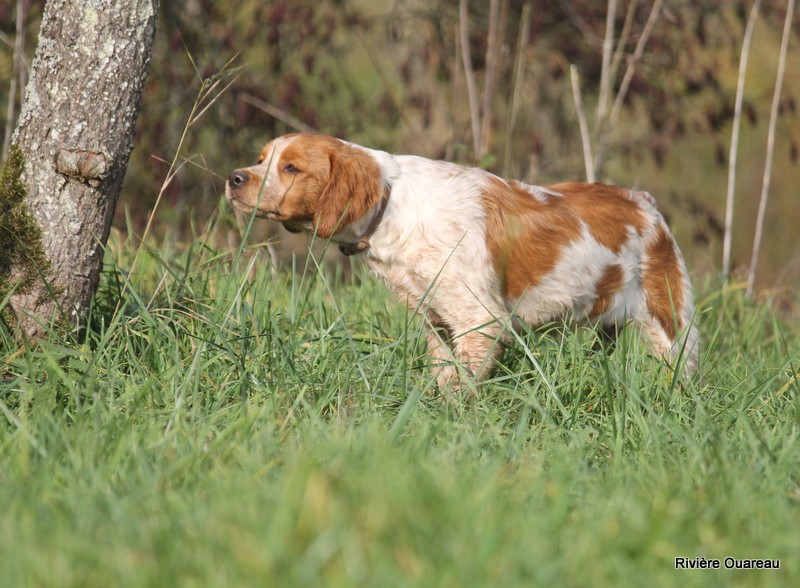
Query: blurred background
[[391, 74]]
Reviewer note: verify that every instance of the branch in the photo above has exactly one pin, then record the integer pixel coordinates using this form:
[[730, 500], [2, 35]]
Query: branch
[[276, 112], [606, 123], [623, 36], [634, 59]]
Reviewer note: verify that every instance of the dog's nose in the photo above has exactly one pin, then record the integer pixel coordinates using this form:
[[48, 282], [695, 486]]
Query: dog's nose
[[237, 179]]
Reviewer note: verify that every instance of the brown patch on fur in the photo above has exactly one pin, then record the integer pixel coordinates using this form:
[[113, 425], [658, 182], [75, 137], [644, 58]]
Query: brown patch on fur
[[526, 234], [662, 282], [607, 286], [301, 192], [352, 180], [607, 210]]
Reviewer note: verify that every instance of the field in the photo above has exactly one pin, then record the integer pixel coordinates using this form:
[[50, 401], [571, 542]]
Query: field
[[226, 426]]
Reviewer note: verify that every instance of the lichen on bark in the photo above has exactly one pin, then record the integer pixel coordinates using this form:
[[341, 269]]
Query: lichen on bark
[[22, 257]]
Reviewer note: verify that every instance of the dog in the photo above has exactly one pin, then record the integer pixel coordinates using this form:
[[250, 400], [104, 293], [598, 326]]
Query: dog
[[473, 252]]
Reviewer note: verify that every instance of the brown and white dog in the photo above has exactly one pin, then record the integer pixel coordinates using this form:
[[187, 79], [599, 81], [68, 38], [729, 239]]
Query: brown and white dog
[[472, 251]]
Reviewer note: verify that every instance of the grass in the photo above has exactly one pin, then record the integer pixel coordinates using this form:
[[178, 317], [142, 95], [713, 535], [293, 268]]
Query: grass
[[227, 427]]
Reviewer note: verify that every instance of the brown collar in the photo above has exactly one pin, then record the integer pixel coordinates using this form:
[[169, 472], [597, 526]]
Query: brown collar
[[363, 242]]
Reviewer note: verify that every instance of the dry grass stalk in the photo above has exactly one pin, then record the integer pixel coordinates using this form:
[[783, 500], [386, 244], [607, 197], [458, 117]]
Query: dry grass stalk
[[737, 118], [605, 72], [519, 71], [492, 45], [469, 73], [773, 119], [584, 128]]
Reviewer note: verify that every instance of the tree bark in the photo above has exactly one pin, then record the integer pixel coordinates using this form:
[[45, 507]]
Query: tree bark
[[76, 133]]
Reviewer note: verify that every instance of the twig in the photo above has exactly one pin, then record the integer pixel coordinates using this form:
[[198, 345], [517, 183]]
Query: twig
[[472, 90], [604, 127], [276, 112], [585, 139], [633, 60], [215, 97], [737, 118], [773, 119], [6, 40]]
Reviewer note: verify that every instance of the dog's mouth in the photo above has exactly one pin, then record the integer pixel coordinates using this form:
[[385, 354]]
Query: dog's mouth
[[277, 215], [293, 227], [247, 208]]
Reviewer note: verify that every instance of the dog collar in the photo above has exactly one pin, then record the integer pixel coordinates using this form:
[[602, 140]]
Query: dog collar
[[363, 242]]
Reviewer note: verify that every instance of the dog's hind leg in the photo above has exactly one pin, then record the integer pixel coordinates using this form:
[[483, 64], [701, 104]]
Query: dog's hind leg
[[676, 345]]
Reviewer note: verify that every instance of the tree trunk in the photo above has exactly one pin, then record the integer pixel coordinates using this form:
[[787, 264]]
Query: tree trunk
[[75, 133]]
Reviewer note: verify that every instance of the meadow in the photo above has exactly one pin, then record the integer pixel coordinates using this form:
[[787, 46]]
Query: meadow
[[222, 424]]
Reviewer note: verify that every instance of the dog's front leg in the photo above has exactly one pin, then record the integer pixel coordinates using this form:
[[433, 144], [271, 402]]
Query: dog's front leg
[[442, 358], [477, 351], [470, 357]]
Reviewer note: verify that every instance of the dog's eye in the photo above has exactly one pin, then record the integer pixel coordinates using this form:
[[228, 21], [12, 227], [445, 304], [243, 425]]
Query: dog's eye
[[291, 168]]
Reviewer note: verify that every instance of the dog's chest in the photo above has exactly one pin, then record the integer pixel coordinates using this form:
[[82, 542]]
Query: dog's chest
[[403, 278]]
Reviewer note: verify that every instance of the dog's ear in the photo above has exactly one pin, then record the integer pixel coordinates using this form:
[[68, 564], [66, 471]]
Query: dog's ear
[[353, 188]]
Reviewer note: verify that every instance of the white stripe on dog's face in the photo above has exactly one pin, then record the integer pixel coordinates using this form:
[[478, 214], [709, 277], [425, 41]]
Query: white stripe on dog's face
[[258, 187]]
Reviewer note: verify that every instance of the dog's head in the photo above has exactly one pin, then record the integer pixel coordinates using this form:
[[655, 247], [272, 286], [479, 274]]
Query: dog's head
[[308, 182]]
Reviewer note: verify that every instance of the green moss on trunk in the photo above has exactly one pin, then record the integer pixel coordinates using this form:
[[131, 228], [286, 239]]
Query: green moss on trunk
[[22, 257]]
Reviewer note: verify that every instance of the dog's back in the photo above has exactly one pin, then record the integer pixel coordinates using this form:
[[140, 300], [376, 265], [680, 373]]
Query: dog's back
[[591, 253]]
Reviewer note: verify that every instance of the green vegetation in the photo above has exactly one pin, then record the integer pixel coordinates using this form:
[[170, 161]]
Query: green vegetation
[[22, 261], [228, 427], [221, 425]]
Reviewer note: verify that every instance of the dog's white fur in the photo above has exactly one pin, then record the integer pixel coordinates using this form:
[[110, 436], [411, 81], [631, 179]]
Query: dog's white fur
[[471, 250]]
